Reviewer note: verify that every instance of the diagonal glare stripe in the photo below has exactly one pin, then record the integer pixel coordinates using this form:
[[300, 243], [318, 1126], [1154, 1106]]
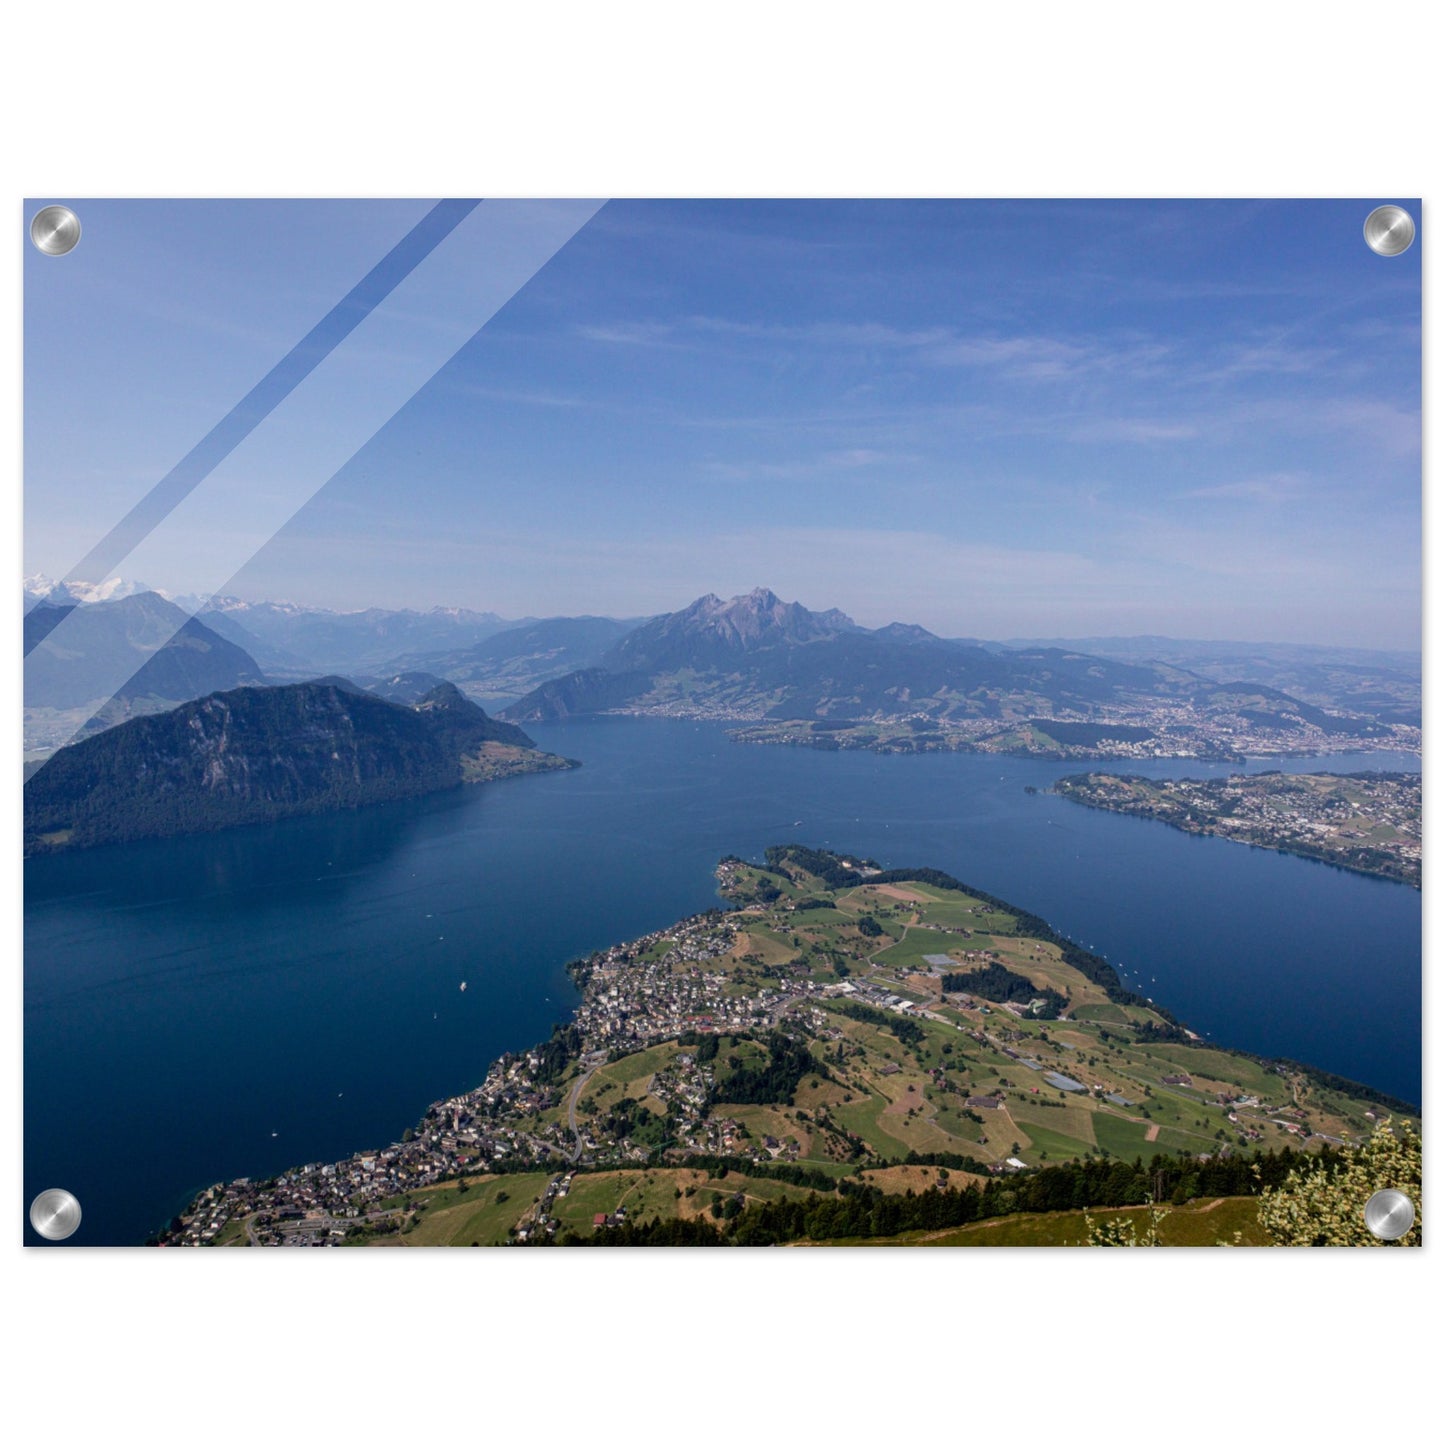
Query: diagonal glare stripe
[[271, 390], [314, 432]]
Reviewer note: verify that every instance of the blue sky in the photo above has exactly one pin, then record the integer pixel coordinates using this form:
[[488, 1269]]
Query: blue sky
[[997, 419]]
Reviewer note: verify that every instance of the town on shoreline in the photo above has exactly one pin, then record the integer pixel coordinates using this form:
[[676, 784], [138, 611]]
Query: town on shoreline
[[1366, 822], [832, 1026], [1166, 732]]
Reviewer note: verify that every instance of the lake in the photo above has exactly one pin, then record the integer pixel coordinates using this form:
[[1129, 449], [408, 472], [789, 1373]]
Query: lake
[[234, 1003]]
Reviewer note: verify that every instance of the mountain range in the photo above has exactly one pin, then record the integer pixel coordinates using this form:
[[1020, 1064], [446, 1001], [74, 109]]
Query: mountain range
[[753, 657], [313, 639], [40, 588], [756, 656]]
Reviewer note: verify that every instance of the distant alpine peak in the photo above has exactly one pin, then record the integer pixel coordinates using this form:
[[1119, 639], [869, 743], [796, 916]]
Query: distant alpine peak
[[751, 616], [109, 590], [711, 632]]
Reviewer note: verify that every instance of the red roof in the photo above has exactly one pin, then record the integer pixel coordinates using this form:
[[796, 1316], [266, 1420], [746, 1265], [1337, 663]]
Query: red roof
[[599, 1219]]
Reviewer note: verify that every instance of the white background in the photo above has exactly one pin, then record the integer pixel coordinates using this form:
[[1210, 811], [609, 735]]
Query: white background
[[747, 100]]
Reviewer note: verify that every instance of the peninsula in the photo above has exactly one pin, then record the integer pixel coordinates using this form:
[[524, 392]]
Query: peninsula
[[1367, 822], [841, 1050]]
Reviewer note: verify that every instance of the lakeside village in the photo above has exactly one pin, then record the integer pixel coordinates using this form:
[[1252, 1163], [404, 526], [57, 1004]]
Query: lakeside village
[[1370, 822], [672, 985], [1157, 731], [634, 995]]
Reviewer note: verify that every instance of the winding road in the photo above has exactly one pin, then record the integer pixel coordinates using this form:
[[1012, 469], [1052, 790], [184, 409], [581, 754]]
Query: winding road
[[593, 1061]]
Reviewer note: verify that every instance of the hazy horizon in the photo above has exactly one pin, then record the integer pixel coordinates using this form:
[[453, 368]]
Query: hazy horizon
[[550, 615], [1198, 420]]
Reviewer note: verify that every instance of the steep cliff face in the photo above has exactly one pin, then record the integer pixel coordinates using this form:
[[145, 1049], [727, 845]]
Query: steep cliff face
[[255, 754]]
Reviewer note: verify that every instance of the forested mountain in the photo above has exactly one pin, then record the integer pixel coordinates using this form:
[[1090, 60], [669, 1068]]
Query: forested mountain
[[259, 753]]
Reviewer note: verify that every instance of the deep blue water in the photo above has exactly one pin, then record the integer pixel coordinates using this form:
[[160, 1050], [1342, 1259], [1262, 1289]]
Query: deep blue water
[[234, 1003]]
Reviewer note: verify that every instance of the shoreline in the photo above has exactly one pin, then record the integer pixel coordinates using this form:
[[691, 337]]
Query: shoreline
[[1163, 801], [345, 1201]]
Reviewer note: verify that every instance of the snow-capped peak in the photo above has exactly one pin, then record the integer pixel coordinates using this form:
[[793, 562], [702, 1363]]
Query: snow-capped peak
[[39, 585]]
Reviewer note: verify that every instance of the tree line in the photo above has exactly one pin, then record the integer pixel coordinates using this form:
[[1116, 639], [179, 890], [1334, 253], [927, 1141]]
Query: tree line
[[1002, 985], [866, 1212]]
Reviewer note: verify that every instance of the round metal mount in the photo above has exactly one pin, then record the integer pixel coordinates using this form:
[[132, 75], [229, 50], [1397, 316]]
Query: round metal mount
[[55, 230], [1389, 1214], [55, 1214], [1389, 231]]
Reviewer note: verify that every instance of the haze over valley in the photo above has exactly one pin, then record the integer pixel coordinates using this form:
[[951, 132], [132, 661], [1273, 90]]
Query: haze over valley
[[793, 674]]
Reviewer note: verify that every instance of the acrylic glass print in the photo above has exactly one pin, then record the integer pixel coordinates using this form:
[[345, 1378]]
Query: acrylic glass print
[[563, 723]]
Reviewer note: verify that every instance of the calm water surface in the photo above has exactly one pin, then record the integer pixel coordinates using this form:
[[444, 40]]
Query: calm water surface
[[235, 1003]]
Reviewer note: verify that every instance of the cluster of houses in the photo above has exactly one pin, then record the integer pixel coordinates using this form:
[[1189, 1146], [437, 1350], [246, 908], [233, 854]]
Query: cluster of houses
[[667, 985], [1381, 814], [640, 993], [209, 1214], [657, 987], [1177, 729]]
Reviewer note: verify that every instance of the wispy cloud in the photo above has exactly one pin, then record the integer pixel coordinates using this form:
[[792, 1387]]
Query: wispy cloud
[[1155, 417], [1022, 357], [1273, 489], [1388, 428], [1143, 430], [1269, 358], [847, 459], [630, 333], [1049, 358], [510, 396]]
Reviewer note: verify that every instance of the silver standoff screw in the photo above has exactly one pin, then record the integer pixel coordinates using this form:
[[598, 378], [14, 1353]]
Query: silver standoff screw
[[1389, 1214], [55, 230], [55, 1214], [1389, 230]]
